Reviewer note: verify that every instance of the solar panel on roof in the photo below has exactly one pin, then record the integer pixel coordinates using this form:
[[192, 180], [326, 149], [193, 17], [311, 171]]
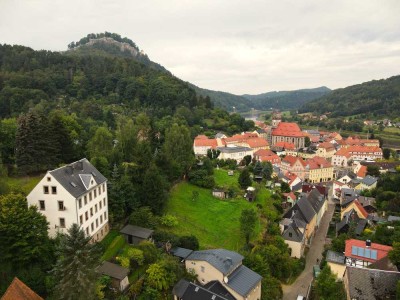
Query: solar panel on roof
[[374, 254]]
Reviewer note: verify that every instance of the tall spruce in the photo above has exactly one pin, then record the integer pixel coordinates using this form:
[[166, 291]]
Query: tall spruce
[[75, 271]]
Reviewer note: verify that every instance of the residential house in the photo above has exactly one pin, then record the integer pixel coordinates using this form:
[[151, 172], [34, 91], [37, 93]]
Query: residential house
[[354, 205], [370, 284], [294, 165], [236, 153], [188, 290], [75, 193], [225, 267], [135, 234], [336, 261], [118, 275], [326, 150], [363, 253], [18, 290], [318, 169], [288, 132], [267, 156]]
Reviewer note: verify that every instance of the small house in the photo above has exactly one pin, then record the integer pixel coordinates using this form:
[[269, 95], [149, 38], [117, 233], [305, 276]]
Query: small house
[[118, 274], [135, 234], [219, 193]]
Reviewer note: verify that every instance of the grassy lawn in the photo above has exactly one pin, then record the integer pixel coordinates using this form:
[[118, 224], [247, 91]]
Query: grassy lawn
[[22, 184], [222, 179], [213, 221]]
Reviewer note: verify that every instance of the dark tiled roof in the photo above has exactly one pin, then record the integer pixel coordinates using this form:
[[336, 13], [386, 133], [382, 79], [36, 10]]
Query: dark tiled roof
[[370, 284], [18, 290], [137, 231], [335, 257], [223, 260], [181, 252], [69, 176], [190, 291], [113, 270], [243, 280]]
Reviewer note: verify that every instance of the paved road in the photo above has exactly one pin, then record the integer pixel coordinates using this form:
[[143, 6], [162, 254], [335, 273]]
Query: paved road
[[300, 286]]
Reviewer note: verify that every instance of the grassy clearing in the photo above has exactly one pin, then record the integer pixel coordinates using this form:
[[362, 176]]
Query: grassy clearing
[[118, 242], [222, 179], [213, 221], [22, 184]]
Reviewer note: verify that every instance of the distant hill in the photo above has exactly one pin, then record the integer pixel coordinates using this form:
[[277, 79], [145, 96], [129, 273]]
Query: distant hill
[[285, 100], [112, 44], [377, 97]]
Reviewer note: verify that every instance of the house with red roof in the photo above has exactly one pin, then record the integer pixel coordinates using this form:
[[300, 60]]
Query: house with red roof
[[358, 208], [288, 132], [264, 155], [363, 253], [18, 290]]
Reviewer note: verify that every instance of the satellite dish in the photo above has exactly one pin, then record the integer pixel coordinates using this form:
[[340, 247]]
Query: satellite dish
[[226, 279]]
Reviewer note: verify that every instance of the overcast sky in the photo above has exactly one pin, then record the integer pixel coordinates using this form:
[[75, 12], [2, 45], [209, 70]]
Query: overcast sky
[[234, 46]]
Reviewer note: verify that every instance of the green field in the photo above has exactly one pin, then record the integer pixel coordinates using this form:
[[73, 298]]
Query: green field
[[22, 184], [213, 221]]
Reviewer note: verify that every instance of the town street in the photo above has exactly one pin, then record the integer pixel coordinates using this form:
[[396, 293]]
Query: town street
[[300, 286]]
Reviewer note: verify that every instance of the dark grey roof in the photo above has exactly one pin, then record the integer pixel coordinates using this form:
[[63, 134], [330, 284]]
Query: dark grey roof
[[217, 288], [293, 233], [367, 284], [181, 252], [369, 180], [223, 260], [360, 226], [113, 270], [137, 231], [189, 291], [335, 257], [233, 149], [316, 199], [243, 280], [69, 176]]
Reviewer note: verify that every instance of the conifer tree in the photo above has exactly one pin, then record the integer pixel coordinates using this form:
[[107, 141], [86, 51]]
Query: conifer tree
[[75, 271]]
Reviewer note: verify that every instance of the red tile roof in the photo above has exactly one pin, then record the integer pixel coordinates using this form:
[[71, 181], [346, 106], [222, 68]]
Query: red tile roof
[[318, 162], [205, 143], [362, 172], [19, 291], [382, 250], [285, 145], [257, 142], [288, 129]]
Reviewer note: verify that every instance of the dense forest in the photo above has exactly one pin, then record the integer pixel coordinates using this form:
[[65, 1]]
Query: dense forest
[[134, 122], [379, 98]]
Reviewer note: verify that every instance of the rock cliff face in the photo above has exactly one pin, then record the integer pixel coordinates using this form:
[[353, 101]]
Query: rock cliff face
[[124, 47]]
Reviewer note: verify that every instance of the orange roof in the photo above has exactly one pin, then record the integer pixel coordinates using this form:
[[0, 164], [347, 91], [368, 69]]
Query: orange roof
[[19, 291], [205, 143], [343, 152], [288, 129], [285, 145], [327, 146], [382, 250], [362, 172], [361, 208], [201, 137], [257, 142], [318, 162]]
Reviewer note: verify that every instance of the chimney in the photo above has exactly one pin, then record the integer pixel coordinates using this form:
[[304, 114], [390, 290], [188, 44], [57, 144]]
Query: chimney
[[368, 243]]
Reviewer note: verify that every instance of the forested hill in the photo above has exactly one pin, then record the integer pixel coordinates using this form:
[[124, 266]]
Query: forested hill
[[113, 44], [285, 100], [378, 97]]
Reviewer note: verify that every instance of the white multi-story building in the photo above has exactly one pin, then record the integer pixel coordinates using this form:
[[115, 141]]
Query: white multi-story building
[[75, 193]]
